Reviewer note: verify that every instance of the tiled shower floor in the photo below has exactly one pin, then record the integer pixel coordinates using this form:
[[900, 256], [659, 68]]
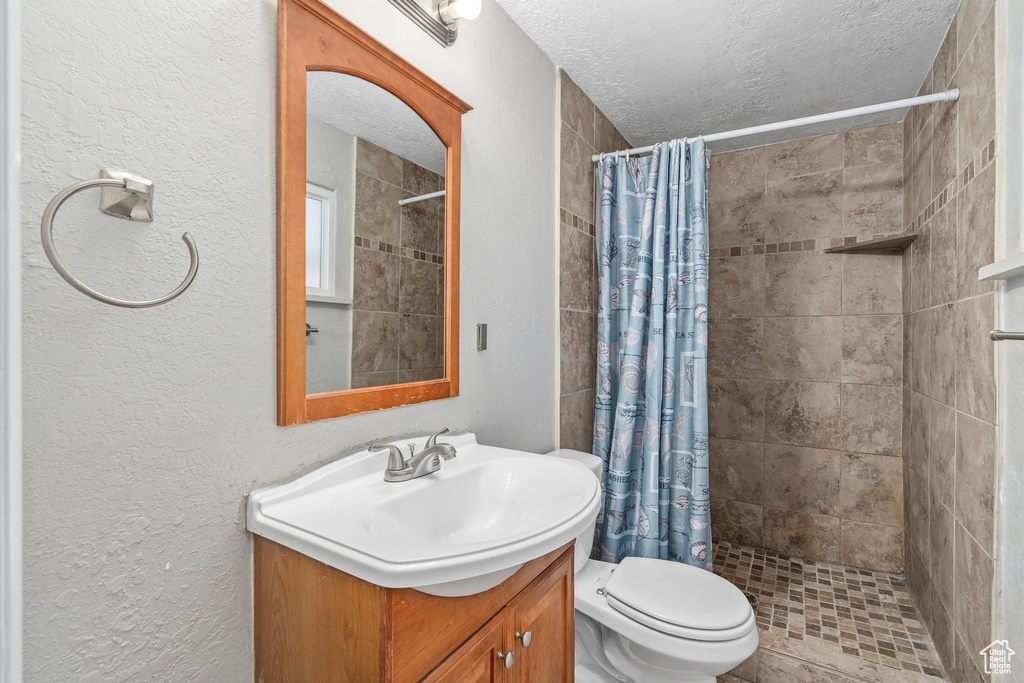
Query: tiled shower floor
[[821, 621]]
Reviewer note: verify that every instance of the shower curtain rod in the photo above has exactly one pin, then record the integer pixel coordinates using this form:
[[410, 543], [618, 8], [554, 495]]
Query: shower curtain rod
[[947, 96]]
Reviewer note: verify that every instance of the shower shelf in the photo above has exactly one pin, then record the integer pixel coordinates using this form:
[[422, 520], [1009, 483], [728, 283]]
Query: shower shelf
[[881, 244]]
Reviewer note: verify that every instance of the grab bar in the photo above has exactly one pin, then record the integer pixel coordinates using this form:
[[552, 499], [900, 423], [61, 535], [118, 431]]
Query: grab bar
[[999, 335], [125, 196]]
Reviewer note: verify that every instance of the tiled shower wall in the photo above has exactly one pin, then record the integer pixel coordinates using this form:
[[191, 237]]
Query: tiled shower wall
[[805, 364], [398, 309], [949, 388], [585, 131]]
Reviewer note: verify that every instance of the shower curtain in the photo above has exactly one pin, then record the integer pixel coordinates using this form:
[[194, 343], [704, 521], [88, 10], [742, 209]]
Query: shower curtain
[[651, 422]]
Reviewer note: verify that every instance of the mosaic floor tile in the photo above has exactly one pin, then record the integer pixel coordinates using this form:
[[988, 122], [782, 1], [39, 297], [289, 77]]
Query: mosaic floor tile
[[862, 613]]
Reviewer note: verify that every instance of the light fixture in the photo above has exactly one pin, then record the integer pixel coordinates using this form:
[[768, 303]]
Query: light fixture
[[451, 11], [442, 24]]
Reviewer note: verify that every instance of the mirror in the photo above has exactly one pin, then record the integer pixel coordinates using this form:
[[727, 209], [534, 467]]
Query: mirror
[[369, 153], [374, 238]]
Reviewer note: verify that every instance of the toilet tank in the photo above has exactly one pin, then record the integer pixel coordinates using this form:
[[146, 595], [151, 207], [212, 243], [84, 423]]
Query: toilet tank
[[585, 541]]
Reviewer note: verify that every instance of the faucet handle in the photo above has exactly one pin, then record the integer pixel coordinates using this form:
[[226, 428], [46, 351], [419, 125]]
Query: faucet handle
[[432, 441], [395, 460]]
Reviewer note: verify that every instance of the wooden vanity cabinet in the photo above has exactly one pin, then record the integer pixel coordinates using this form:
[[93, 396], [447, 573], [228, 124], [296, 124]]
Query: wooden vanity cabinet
[[316, 624]]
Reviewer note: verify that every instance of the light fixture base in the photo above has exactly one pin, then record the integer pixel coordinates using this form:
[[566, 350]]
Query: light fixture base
[[435, 28]]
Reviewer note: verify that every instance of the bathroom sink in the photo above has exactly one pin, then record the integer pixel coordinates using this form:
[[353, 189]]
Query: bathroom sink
[[458, 531]]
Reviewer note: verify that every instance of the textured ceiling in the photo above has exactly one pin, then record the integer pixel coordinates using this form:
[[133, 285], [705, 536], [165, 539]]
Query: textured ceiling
[[661, 69], [370, 112]]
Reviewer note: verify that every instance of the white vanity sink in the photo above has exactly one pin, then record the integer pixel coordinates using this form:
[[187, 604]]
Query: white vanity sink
[[458, 531]]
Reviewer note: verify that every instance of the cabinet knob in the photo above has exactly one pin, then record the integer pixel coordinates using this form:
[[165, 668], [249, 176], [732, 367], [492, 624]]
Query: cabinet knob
[[509, 658], [525, 637]]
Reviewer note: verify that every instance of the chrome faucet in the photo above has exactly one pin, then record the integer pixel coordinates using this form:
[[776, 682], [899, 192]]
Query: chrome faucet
[[426, 462]]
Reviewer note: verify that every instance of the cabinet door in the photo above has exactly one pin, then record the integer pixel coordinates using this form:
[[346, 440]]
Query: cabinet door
[[544, 610], [476, 661]]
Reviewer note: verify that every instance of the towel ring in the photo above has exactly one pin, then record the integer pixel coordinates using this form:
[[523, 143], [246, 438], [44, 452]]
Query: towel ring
[[124, 195]]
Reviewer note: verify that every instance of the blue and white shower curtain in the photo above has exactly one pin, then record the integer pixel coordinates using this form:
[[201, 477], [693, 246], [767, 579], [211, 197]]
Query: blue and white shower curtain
[[651, 422]]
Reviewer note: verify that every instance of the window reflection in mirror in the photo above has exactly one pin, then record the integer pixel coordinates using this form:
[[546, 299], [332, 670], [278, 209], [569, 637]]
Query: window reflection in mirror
[[374, 243]]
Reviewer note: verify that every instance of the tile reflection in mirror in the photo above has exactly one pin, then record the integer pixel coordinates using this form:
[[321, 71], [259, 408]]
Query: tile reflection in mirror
[[375, 268]]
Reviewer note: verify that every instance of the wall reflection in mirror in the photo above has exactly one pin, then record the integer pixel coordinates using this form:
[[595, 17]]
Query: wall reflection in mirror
[[374, 244]]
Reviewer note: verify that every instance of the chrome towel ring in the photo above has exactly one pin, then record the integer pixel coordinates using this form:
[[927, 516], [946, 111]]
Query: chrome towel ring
[[124, 195]]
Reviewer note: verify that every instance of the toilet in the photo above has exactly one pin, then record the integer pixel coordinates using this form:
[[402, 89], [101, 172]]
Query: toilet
[[654, 621]]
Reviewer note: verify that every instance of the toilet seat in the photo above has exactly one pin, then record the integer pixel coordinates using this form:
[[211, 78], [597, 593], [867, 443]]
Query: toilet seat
[[679, 600]]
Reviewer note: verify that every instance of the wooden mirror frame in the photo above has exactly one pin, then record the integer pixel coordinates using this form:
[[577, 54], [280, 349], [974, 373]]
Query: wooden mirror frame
[[313, 37]]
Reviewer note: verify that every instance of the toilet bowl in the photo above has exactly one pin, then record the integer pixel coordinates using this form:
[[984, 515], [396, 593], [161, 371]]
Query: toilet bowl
[[654, 621]]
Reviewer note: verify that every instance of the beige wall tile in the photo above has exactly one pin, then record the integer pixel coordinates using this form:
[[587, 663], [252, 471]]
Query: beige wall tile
[[872, 284], [802, 414], [868, 545], [976, 232], [803, 283], [918, 530], [576, 175], [418, 289], [813, 537], [420, 375], [745, 167], [942, 241], [942, 564], [578, 332], [419, 225], [738, 215], [920, 192], [606, 137], [940, 383], [576, 421], [577, 109], [378, 163], [735, 347], [871, 489], [921, 344], [737, 470], [374, 342], [973, 612], [736, 409], [737, 522], [921, 274], [976, 77], [805, 207], [942, 630], [941, 446], [805, 156], [738, 289], [362, 380], [418, 180], [945, 161], [874, 145], [803, 348], [920, 433], [802, 479], [377, 213], [976, 478], [418, 345], [873, 199], [576, 273], [967, 664], [975, 357], [872, 419], [872, 349], [376, 276]]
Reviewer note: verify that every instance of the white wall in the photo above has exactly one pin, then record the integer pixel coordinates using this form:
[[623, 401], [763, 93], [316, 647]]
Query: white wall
[[144, 429], [331, 164], [1010, 589]]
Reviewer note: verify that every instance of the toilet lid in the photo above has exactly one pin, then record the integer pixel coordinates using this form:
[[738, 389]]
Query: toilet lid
[[679, 599]]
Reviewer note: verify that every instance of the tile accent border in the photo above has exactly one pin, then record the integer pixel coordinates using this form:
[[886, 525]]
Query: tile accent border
[[367, 243], [577, 222], [978, 164]]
